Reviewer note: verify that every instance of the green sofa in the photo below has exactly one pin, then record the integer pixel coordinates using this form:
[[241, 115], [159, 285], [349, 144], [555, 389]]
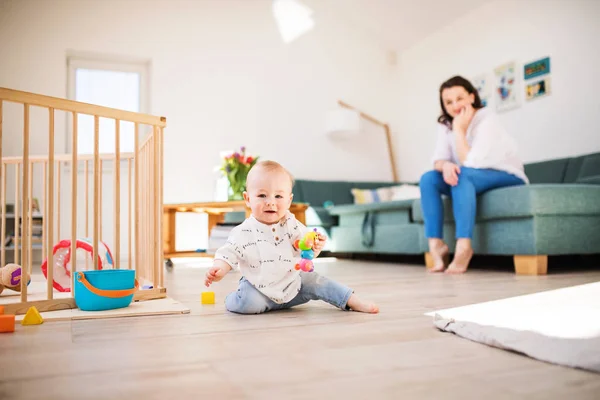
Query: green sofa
[[558, 213]]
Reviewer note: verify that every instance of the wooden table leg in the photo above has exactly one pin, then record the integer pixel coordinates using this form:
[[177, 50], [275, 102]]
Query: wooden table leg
[[213, 220], [169, 232]]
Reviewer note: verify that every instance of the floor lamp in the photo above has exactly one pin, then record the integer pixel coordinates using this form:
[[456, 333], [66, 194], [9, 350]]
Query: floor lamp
[[347, 119]]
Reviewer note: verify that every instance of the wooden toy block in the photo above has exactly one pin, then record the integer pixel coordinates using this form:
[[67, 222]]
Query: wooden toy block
[[208, 297], [32, 317], [1, 310], [7, 323]]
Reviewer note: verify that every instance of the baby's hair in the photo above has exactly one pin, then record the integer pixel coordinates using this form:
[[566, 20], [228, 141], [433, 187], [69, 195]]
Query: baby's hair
[[270, 166]]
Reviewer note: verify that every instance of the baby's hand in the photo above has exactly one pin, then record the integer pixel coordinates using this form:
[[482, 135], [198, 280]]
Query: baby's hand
[[215, 274], [319, 242]]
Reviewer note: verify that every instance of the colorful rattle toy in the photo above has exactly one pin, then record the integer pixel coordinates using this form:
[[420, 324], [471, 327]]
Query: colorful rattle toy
[[305, 245]]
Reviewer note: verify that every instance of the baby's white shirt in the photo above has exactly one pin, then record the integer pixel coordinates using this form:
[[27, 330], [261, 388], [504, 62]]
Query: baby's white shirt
[[265, 255], [491, 146]]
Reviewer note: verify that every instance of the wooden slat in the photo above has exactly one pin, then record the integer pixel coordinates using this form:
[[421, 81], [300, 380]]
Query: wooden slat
[[100, 181], [17, 237], [45, 200], [155, 235], [74, 170], [87, 205], [136, 206], [50, 213], [117, 194], [25, 265], [79, 107], [129, 216], [96, 191], [2, 194], [58, 200], [67, 157], [160, 207], [30, 216], [3, 203], [1, 150]]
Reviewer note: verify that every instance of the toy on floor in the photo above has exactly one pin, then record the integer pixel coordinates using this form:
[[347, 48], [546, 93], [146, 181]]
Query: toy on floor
[[7, 322], [32, 317], [305, 245], [10, 277], [208, 298], [62, 257]]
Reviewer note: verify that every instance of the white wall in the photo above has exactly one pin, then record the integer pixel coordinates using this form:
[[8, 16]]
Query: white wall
[[220, 74], [560, 125]]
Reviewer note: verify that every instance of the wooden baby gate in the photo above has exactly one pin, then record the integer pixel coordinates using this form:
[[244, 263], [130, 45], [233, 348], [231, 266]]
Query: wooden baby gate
[[140, 214]]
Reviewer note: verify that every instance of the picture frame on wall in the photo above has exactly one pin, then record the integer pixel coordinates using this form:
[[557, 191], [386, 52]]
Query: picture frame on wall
[[506, 93], [536, 68], [482, 85], [538, 88]]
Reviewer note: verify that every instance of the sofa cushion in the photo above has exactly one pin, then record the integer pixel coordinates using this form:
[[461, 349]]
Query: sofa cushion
[[530, 200], [590, 167], [390, 239], [362, 208], [590, 180], [573, 169], [552, 171], [319, 216], [317, 193]]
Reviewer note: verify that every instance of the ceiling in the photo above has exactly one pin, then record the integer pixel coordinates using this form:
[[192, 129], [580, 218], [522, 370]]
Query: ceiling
[[398, 24]]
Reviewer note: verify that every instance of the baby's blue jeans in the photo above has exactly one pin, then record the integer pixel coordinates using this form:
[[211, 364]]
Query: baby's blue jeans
[[248, 300], [471, 182]]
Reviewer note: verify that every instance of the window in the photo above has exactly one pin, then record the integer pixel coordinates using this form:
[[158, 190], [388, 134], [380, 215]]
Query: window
[[114, 83], [293, 19]]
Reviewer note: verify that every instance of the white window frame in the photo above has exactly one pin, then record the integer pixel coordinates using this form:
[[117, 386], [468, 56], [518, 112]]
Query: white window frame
[[111, 63]]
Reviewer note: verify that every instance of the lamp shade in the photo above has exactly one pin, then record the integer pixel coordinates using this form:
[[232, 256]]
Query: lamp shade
[[343, 121]]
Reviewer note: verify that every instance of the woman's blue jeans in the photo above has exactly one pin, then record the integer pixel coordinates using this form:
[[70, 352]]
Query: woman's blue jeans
[[471, 182]]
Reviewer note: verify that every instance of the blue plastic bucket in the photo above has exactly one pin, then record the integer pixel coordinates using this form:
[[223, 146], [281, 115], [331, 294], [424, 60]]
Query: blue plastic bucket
[[104, 289]]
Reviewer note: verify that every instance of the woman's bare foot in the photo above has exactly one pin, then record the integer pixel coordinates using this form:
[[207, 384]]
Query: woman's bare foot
[[357, 304], [462, 257], [439, 253]]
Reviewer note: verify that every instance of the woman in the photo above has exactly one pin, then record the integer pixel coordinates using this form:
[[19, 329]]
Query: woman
[[473, 154]]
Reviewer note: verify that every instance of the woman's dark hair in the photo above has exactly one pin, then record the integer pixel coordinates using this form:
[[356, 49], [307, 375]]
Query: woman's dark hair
[[445, 118]]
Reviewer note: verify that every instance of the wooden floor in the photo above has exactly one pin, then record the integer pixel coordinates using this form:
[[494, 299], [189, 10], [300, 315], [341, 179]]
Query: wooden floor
[[312, 352]]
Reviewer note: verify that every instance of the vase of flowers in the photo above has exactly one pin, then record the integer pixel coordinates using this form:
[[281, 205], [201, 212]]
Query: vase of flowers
[[235, 167]]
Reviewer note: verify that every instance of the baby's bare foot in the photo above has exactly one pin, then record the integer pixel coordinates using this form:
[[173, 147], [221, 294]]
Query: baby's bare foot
[[356, 304], [439, 253], [461, 260]]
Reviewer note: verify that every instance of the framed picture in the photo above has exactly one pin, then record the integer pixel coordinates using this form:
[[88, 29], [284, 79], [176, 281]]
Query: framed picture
[[482, 84], [506, 87], [540, 88], [536, 68]]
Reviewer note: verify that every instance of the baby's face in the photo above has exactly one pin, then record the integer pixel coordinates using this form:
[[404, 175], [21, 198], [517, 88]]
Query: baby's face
[[269, 195]]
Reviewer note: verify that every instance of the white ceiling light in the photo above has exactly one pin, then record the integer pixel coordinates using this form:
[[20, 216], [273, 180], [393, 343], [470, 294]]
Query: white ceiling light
[[293, 19]]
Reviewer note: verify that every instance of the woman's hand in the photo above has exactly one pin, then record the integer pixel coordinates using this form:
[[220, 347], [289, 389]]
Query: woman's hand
[[461, 122], [450, 171]]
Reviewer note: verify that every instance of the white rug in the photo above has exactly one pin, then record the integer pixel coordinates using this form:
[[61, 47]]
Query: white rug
[[558, 326]]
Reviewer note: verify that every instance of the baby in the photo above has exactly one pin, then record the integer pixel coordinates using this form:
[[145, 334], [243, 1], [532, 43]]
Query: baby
[[262, 248]]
